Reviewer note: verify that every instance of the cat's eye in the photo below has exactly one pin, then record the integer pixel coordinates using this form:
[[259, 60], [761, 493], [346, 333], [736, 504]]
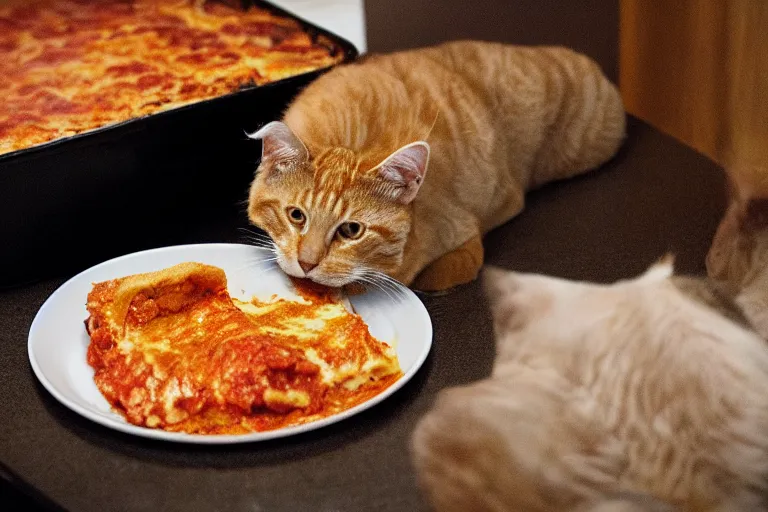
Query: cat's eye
[[351, 230], [296, 216]]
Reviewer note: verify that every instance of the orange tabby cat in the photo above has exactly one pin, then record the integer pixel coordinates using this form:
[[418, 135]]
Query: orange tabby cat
[[343, 188]]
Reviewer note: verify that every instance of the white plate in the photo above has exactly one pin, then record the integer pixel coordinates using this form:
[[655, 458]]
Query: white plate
[[58, 341]]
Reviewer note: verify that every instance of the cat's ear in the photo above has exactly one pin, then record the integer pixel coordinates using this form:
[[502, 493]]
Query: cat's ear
[[281, 148], [661, 270], [404, 170]]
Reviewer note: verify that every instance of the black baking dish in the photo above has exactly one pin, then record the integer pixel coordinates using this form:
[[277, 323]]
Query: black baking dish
[[73, 202]]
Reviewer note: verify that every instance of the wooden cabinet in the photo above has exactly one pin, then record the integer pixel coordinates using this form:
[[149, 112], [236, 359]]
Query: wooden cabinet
[[698, 70]]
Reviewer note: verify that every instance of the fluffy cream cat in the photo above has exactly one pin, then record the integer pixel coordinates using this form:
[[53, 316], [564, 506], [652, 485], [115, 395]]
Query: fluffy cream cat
[[649, 394], [396, 165]]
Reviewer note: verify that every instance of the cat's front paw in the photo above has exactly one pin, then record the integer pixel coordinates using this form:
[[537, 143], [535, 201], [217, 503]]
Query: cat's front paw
[[436, 293], [435, 286], [458, 267]]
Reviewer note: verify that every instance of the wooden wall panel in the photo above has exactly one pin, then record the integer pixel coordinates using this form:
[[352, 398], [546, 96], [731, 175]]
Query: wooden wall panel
[[698, 70]]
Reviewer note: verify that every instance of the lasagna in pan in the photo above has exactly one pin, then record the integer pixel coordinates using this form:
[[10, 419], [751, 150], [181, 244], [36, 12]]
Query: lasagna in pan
[[70, 66], [172, 350]]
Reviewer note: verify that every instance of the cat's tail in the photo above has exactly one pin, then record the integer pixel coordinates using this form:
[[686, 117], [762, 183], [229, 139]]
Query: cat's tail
[[587, 124]]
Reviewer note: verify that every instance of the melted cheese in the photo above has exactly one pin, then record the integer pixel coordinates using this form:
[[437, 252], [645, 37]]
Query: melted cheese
[[211, 365], [299, 327], [303, 331], [71, 67], [291, 397]]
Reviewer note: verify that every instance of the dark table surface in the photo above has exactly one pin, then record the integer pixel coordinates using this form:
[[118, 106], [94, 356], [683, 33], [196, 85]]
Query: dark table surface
[[655, 196]]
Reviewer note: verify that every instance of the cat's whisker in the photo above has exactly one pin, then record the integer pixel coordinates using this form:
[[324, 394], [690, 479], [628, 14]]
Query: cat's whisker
[[264, 244], [261, 261], [385, 281], [397, 285], [258, 240], [360, 276], [271, 250], [256, 237], [263, 269], [384, 276], [254, 234], [267, 244], [262, 264], [252, 231], [386, 286], [265, 248], [270, 256], [373, 278], [366, 280]]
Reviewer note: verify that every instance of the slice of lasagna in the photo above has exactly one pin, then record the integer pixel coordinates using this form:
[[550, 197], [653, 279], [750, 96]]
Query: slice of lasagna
[[172, 350]]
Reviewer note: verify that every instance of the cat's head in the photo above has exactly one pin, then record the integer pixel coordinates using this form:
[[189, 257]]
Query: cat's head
[[739, 251], [333, 217], [544, 310]]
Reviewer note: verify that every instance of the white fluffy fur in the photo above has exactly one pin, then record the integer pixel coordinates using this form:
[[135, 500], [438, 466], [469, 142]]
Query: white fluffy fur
[[623, 397]]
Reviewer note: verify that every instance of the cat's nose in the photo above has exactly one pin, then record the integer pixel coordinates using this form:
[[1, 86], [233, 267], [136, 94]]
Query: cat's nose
[[306, 267]]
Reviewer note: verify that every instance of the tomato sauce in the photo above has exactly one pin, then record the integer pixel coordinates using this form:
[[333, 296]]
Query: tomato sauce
[[124, 59], [186, 358]]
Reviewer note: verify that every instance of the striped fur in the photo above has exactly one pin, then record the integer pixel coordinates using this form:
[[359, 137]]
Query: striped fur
[[498, 119]]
